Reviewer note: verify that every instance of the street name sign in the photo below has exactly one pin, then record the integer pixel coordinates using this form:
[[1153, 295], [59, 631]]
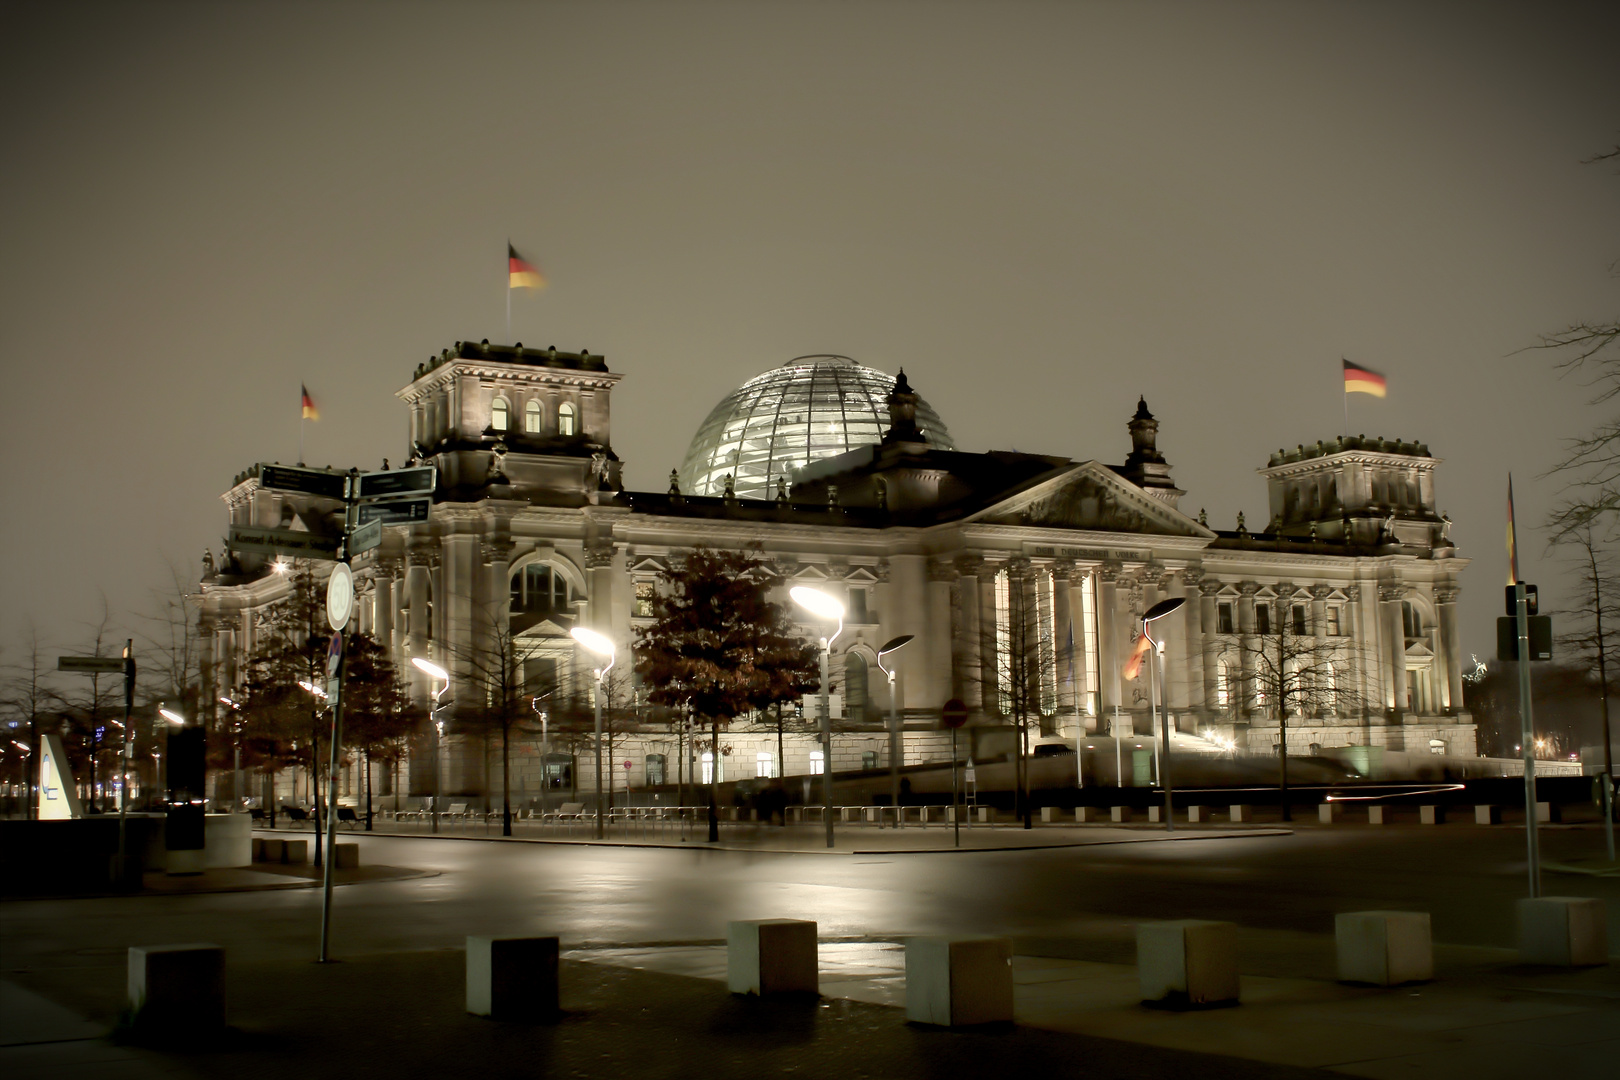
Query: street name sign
[[321, 482], [298, 545], [396, 482], [365, 538], [395, 511], [92, 665]]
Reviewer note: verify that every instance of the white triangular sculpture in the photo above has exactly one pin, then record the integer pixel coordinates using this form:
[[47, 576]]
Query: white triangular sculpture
[[58, 794]]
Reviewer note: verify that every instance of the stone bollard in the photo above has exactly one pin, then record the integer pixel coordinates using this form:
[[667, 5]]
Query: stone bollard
[[258, 849], [872, 815], [1119, 814], [956, 981], [1327, 813], [177, 991], [295, 852], [1431, 815], [1567, 931], [1083, 814], [1384, 948], [849, 813], [1241, 813], [1049, 814], [1375, 815], [346, 856], [1487, 815], [273, 849], [795, 815], [512, 978], [1187, 963], [1549, 813], [1156, 814], [772, 956], [987, 815], [1196, 814]]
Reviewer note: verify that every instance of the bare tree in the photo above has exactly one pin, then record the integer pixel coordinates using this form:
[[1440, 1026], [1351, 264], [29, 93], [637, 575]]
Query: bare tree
[[28, 696], [1595, 611]]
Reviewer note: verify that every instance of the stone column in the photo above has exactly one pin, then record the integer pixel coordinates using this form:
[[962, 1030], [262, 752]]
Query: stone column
[[938, 635], [1186, 684], [1108, 644], [1392, 655], [1073, 585], [1209, 630], [1063, 639], [1243, 693], [383, 600], [908, 576], [1319, 599], [989, 677], [599, 582], [1445, 599], [965, 633]]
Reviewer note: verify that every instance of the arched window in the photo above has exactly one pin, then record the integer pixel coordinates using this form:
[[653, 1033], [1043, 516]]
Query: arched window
[[855, 672], [1411, 620], [540, 592], [565, 419], [531, 418], [500, 414], [708, 769], [1223, 685]]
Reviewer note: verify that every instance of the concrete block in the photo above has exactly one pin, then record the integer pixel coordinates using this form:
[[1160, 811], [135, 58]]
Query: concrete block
[[1375, 814], [1196, 814], [1187, 963], [987, 815], [346, 856], [1431, 815], [177, 990], [1568, 931], [1550, 813], [849, 813], [795, 815], [1156, 814], [295, 852], [1487, 815], [512, 978], [273, 849], [1384, 948], [227, 840], [772, 956], [1049, 814], [1119, 814], [258, 849], [1083, 814], [1241, 813], [1329, 812], [874, 815], [956, 981]]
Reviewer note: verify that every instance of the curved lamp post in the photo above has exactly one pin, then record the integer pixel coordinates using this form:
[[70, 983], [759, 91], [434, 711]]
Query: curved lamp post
[[823, 606], [438, 674], [894, 724], [1159, 611], [602, 646]]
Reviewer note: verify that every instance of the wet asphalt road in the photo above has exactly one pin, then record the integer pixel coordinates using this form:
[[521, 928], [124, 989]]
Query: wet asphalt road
[[1466, 877]]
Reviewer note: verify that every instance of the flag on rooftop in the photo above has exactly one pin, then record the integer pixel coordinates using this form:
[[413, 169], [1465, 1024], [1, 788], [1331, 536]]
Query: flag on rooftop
[[1512, 539], [1361, 380], [310, 411], [521, 272]]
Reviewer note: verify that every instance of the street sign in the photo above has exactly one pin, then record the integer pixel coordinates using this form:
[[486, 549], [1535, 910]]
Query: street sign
[[954, 714], [321, 482], [395, 511], [297, 545], [91, 665], [365, 538], [1507, 638], [334, 655], [627, 765], [339, 597], [396, 482], [1530, 601]]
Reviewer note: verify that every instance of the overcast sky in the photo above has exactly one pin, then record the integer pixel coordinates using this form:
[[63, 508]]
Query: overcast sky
[[1039, 209]]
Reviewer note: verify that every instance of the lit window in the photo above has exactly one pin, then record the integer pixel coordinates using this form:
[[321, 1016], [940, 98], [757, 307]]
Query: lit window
[[1333, 621], [565, 419], [644, 599], [531, 418], [655, 769], [708, 769], [499, 414], [818, 763], [1262, 618], [763, 765], [1223, 685]]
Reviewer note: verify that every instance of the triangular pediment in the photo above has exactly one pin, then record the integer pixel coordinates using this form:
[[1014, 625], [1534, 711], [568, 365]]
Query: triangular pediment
[[1093, 497]]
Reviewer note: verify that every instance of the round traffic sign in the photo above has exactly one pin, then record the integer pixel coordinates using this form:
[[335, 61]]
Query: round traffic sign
[[339, 596], [627, 765], [955, 713]]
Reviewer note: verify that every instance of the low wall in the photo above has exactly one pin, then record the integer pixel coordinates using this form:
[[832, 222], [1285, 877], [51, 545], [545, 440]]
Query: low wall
[[56, 858]]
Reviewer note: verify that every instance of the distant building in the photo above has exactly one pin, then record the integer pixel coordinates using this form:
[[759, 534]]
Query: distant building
[[848, 481]]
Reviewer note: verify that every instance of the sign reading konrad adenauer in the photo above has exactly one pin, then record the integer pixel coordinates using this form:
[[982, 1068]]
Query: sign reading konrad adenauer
[[288, 542]]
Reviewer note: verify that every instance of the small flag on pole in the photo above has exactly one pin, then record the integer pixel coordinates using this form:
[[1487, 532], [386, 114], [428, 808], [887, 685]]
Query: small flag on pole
[[521, 272], [1360, 380], [310, 411], [1133, 666], [1512, 539]]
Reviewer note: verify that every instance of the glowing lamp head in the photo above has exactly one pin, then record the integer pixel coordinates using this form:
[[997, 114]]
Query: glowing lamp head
[[429, 668], [816, 602], [600, 644], [171, 716], [1163, 608]]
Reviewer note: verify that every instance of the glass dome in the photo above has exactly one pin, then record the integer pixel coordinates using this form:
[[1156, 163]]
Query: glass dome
[[810, 408]]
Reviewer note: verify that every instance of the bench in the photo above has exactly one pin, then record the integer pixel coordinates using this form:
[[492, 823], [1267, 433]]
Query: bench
[[347, 816], [296, 813]]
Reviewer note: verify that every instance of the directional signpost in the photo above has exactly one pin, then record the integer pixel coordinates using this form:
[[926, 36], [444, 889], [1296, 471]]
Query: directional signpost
[[396, 511], [288, 542], [396, 482], [953, 716], [322, 483]]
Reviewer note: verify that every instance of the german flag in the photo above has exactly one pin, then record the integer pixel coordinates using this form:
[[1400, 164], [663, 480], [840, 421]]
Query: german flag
[[310, 411], [1133, 665], [1360, 380], [521, 272]]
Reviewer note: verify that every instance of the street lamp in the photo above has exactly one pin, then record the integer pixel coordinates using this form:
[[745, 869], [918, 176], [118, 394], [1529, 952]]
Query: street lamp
[[894, 725], [545, 748], [171, 716], [438, 674], [602, 646], [823, 606], [236, 764], [1159, 611]]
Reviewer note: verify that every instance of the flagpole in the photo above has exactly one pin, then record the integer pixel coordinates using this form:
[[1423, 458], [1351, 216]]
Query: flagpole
[[509, 291], [1527, 727]]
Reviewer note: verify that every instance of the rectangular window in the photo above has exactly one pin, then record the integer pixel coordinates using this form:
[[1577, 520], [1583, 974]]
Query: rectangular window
[[1223, 686], [764, 765], [817, 763], [1262, 618], [655, 769], [1333, 621], [1224, 623], [644, 600], [869, 759], [708, 769], [1299, 621], [857, 606], [1003, 624]]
